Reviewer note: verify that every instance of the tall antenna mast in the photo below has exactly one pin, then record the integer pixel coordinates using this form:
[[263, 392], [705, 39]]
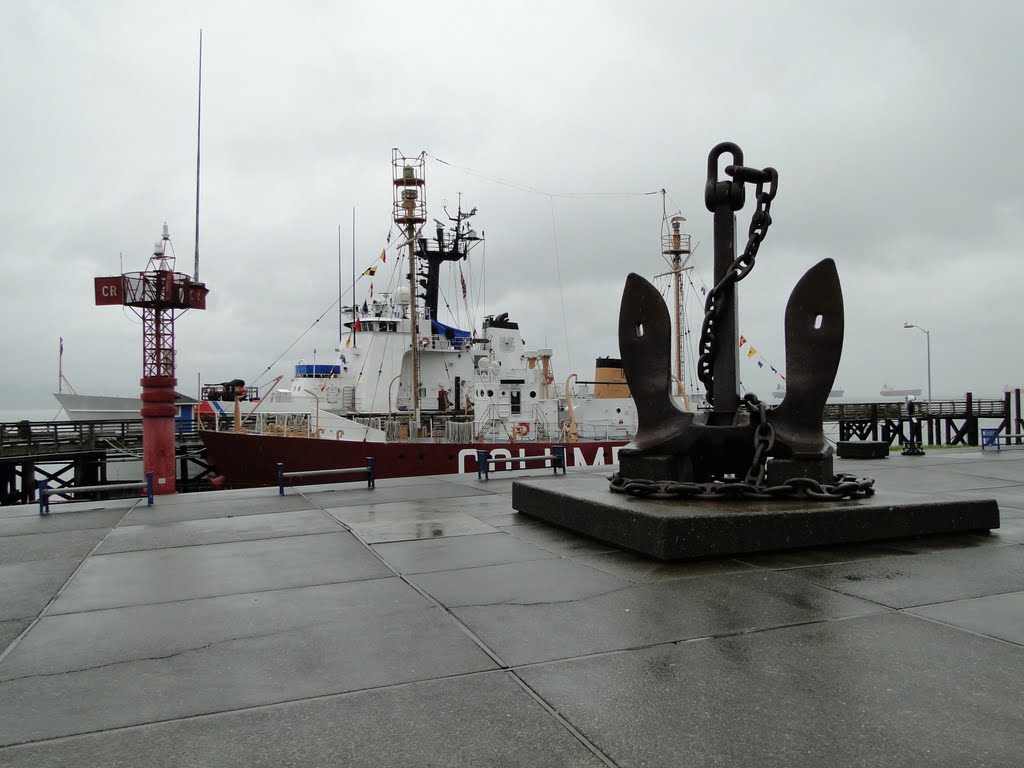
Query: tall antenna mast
[[410, 212], [355, 317], [199, 133], [341, 311], [676, 246]]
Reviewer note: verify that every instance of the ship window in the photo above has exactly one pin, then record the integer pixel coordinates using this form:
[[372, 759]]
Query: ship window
[[618, 410], [532, 394], [503, 393], [490, 393]]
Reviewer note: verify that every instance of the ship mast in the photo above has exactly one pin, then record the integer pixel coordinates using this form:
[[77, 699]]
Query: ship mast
[[410, 212], [676, 246]]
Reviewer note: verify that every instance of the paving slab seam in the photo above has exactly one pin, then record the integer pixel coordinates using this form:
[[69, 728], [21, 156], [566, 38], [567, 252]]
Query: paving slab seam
[[429, 598], [251, 708], [954, 600], [173, 654], [976, 633], [518, 604], [206, 544], [686, 640], [219, 594], [562, 721], [14, 643]]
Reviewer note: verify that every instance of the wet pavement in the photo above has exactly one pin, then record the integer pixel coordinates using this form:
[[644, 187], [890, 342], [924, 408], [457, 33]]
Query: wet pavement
[[427, 623]]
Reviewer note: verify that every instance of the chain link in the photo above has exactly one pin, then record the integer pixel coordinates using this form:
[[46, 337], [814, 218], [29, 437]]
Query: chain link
[[842, 487], [760, 221], [764, 440]]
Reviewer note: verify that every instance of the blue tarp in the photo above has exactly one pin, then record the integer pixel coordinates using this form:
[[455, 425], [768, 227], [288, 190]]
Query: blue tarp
[[448, 332]]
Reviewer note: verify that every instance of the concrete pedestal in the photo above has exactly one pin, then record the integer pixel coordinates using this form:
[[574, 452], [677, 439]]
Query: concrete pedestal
[[678, 530]]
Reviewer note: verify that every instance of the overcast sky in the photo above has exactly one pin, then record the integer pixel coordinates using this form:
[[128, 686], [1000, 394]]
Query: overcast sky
[[895, 127]]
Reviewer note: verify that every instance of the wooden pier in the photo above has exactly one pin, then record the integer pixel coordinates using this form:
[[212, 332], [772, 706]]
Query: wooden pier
[[942, 422], [80, 453]]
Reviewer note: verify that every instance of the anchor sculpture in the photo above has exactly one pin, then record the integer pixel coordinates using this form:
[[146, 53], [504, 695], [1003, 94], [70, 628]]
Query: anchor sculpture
[[739, 447]]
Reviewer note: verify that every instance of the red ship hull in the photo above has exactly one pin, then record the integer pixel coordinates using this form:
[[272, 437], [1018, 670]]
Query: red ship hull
[[245, 460]]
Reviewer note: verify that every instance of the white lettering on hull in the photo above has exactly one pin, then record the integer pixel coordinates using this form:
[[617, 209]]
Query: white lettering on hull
[[579, 461], [577, 458]]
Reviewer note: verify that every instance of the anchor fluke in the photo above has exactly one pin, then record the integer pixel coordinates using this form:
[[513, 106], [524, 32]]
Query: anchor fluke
[[645, 336], [814, 344]]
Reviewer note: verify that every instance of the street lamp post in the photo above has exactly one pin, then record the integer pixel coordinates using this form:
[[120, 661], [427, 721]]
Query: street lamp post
[[928, 346]]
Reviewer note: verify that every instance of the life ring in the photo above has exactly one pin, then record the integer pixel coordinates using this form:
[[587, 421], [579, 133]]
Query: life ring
[[522, 428], [425, 342]]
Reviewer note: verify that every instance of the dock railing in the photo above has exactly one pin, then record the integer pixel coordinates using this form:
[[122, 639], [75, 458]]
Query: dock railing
[[367, 470], [485, 462], [45, 491]]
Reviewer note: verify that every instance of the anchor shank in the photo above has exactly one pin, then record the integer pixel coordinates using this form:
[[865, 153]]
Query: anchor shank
[[726, 364]]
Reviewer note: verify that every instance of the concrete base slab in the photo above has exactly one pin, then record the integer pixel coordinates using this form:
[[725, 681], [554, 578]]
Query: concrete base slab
[[678, 530]]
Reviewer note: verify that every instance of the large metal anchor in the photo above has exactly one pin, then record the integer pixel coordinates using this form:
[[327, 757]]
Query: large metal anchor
[[738, 446]]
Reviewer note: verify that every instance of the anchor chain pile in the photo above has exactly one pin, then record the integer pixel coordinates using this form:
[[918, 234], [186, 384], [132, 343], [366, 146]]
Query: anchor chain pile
[[842, 487], [753, 486]]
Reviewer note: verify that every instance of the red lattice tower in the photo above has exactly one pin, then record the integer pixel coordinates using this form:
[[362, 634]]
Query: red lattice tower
[[157, 296]]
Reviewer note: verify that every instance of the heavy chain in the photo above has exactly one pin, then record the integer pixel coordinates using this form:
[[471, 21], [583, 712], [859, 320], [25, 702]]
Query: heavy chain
[[764, 441], [753, 485], [760, 221], [842, 487]]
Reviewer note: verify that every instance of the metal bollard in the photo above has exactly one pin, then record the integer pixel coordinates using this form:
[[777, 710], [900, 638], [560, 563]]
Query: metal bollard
[[149, 489], [280, 478], [559, 451], [44, 499]]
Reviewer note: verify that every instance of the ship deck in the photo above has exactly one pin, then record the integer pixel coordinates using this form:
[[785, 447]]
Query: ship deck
[[427, 623]]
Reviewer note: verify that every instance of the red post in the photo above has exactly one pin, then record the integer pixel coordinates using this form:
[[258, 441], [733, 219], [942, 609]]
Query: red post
[[158, 412], [156, 295]]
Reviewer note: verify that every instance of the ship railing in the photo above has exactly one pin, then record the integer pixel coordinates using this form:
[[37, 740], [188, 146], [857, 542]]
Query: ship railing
[[45, 491], [603, 432], [367, 470]]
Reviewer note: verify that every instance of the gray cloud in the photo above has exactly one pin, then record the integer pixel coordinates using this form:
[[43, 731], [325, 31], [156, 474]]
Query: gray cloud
[[894, 128]]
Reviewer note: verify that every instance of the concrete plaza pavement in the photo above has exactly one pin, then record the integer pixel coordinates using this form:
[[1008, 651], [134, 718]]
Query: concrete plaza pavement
[[427, 623]]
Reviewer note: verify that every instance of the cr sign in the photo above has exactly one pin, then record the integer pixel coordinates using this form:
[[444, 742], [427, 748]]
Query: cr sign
[[109, 290]]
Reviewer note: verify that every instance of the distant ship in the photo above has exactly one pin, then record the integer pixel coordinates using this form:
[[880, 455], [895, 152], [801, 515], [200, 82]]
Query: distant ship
[[888, 391], [113, 408], [780, 392]]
